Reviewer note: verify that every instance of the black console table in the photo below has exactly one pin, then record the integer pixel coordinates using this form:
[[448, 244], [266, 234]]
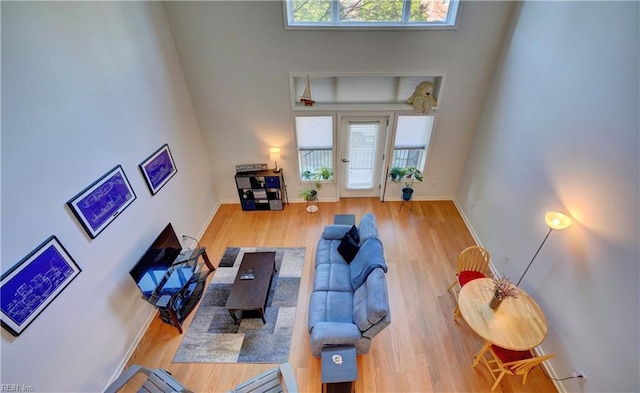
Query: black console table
[[182, 286]]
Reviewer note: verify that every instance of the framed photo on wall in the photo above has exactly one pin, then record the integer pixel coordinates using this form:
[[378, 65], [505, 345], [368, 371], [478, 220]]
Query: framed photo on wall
[[100, 203], [32, 284], [158, 169]]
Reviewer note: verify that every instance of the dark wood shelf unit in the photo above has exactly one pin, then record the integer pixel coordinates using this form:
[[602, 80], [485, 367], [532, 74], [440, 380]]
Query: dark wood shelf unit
[[261, 190]]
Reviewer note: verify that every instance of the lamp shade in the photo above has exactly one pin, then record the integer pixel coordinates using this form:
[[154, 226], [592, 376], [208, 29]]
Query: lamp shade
[[555, 220], [274, 154]]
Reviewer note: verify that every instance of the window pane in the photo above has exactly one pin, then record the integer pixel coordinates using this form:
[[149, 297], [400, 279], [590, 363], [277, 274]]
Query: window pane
[[363, 145], [314, 135], [311, 10], [372, 13], [412, 139], [314, 132], [406, 158], [429, 11], [371, 10], [413, 131]]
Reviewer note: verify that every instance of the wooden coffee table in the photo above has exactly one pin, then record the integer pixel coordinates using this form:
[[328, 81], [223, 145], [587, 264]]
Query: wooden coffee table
[[251, 295]]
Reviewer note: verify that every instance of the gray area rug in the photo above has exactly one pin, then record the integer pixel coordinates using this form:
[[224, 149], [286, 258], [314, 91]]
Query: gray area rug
[[212, 336]]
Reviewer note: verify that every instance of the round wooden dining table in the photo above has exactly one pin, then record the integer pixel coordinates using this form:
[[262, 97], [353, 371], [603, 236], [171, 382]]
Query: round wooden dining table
[[518, 324]]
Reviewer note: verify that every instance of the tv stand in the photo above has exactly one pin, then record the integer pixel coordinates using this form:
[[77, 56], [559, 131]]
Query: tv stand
[[182, 286]]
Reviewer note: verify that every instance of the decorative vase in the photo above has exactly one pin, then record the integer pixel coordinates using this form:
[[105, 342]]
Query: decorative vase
[[495, 302], [406, 193]]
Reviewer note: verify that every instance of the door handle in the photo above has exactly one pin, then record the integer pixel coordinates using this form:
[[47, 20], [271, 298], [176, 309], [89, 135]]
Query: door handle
[[345, 160]]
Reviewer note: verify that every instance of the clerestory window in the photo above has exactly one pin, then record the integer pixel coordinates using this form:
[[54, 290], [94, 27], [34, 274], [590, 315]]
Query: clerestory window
[[371, 14]]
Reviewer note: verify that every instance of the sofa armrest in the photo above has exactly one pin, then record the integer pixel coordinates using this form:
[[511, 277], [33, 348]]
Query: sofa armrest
[[333, 333], [335, 231]]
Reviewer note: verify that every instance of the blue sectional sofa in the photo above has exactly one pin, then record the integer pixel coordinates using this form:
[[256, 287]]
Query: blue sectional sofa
[[349, 304]]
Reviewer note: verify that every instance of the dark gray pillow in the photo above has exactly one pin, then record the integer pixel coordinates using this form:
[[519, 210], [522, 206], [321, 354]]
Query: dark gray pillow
[[348, 248]]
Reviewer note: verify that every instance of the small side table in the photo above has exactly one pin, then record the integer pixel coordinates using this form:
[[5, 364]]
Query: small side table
[[339, 369], [344, 219]]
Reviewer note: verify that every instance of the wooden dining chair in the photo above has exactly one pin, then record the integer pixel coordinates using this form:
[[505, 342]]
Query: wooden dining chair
[[472, 264], [502, 361]]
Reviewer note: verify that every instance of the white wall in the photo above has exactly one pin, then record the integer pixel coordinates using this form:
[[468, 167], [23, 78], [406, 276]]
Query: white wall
[[237, 57], [560, 131], [87, 86]]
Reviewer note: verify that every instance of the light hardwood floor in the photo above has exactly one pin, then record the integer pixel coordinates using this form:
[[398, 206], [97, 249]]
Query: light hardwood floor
[[423, 350]]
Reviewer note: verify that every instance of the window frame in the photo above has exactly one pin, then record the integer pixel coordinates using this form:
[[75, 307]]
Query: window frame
[[450, 23]]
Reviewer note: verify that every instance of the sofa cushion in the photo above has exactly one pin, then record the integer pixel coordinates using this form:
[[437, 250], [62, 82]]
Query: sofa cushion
[[353, 232], [327, 253], [330, 306], [367, 227], [348, 247], [371, 301], [335, 231], [370, 256], [332, 277]]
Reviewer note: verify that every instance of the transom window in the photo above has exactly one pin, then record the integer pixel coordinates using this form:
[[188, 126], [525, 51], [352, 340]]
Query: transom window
[[371, 13]]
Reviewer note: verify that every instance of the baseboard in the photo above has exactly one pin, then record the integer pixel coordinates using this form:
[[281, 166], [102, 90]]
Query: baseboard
[[132, 348], [538, 350], [208, 221]]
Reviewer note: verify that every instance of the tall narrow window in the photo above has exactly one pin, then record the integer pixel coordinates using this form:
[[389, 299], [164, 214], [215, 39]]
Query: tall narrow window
[[413, 134], [314, 135]]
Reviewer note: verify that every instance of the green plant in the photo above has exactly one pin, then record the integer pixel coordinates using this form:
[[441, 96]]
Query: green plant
[[315, 180], [308, 194], [408, 175]]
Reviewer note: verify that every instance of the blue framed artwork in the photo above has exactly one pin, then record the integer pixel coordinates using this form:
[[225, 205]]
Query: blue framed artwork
[[32, 284], [158, 168], [100, 203]]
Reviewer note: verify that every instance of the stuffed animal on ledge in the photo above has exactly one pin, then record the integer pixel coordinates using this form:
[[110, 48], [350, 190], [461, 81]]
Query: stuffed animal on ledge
[[422, 98]]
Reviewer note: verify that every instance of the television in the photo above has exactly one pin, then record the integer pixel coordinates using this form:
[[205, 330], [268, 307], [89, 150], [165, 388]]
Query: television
[[150, 270]]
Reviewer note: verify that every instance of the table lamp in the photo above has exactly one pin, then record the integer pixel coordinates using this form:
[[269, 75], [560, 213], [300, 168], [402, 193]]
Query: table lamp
[[554, 220], [274, 155]]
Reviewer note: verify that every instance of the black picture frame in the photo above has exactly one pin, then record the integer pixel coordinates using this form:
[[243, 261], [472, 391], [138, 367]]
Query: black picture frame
[[99, 204], [33, 283], [158, 168]]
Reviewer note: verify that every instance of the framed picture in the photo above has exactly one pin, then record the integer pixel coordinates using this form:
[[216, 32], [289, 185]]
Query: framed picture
[[32, 284], [100, 203], [158, 169]]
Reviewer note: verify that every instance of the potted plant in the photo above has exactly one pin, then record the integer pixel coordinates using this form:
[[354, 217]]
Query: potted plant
[[408, 175], [315, 179], [502, 289]]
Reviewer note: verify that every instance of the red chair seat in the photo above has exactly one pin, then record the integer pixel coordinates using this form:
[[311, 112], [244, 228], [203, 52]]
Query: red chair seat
[[507, 355], [468, 275]]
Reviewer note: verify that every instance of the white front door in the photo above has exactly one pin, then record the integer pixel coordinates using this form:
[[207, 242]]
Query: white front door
[[361, 155]]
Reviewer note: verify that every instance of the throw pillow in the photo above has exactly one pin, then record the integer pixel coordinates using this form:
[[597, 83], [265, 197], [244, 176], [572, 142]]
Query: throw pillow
[[353, 232], [348, 248]]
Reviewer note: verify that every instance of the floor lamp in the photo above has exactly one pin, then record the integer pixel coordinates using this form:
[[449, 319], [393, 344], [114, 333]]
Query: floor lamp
[[554, 220]]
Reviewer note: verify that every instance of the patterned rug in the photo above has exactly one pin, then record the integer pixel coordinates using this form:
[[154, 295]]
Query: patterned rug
[[212, 336]]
